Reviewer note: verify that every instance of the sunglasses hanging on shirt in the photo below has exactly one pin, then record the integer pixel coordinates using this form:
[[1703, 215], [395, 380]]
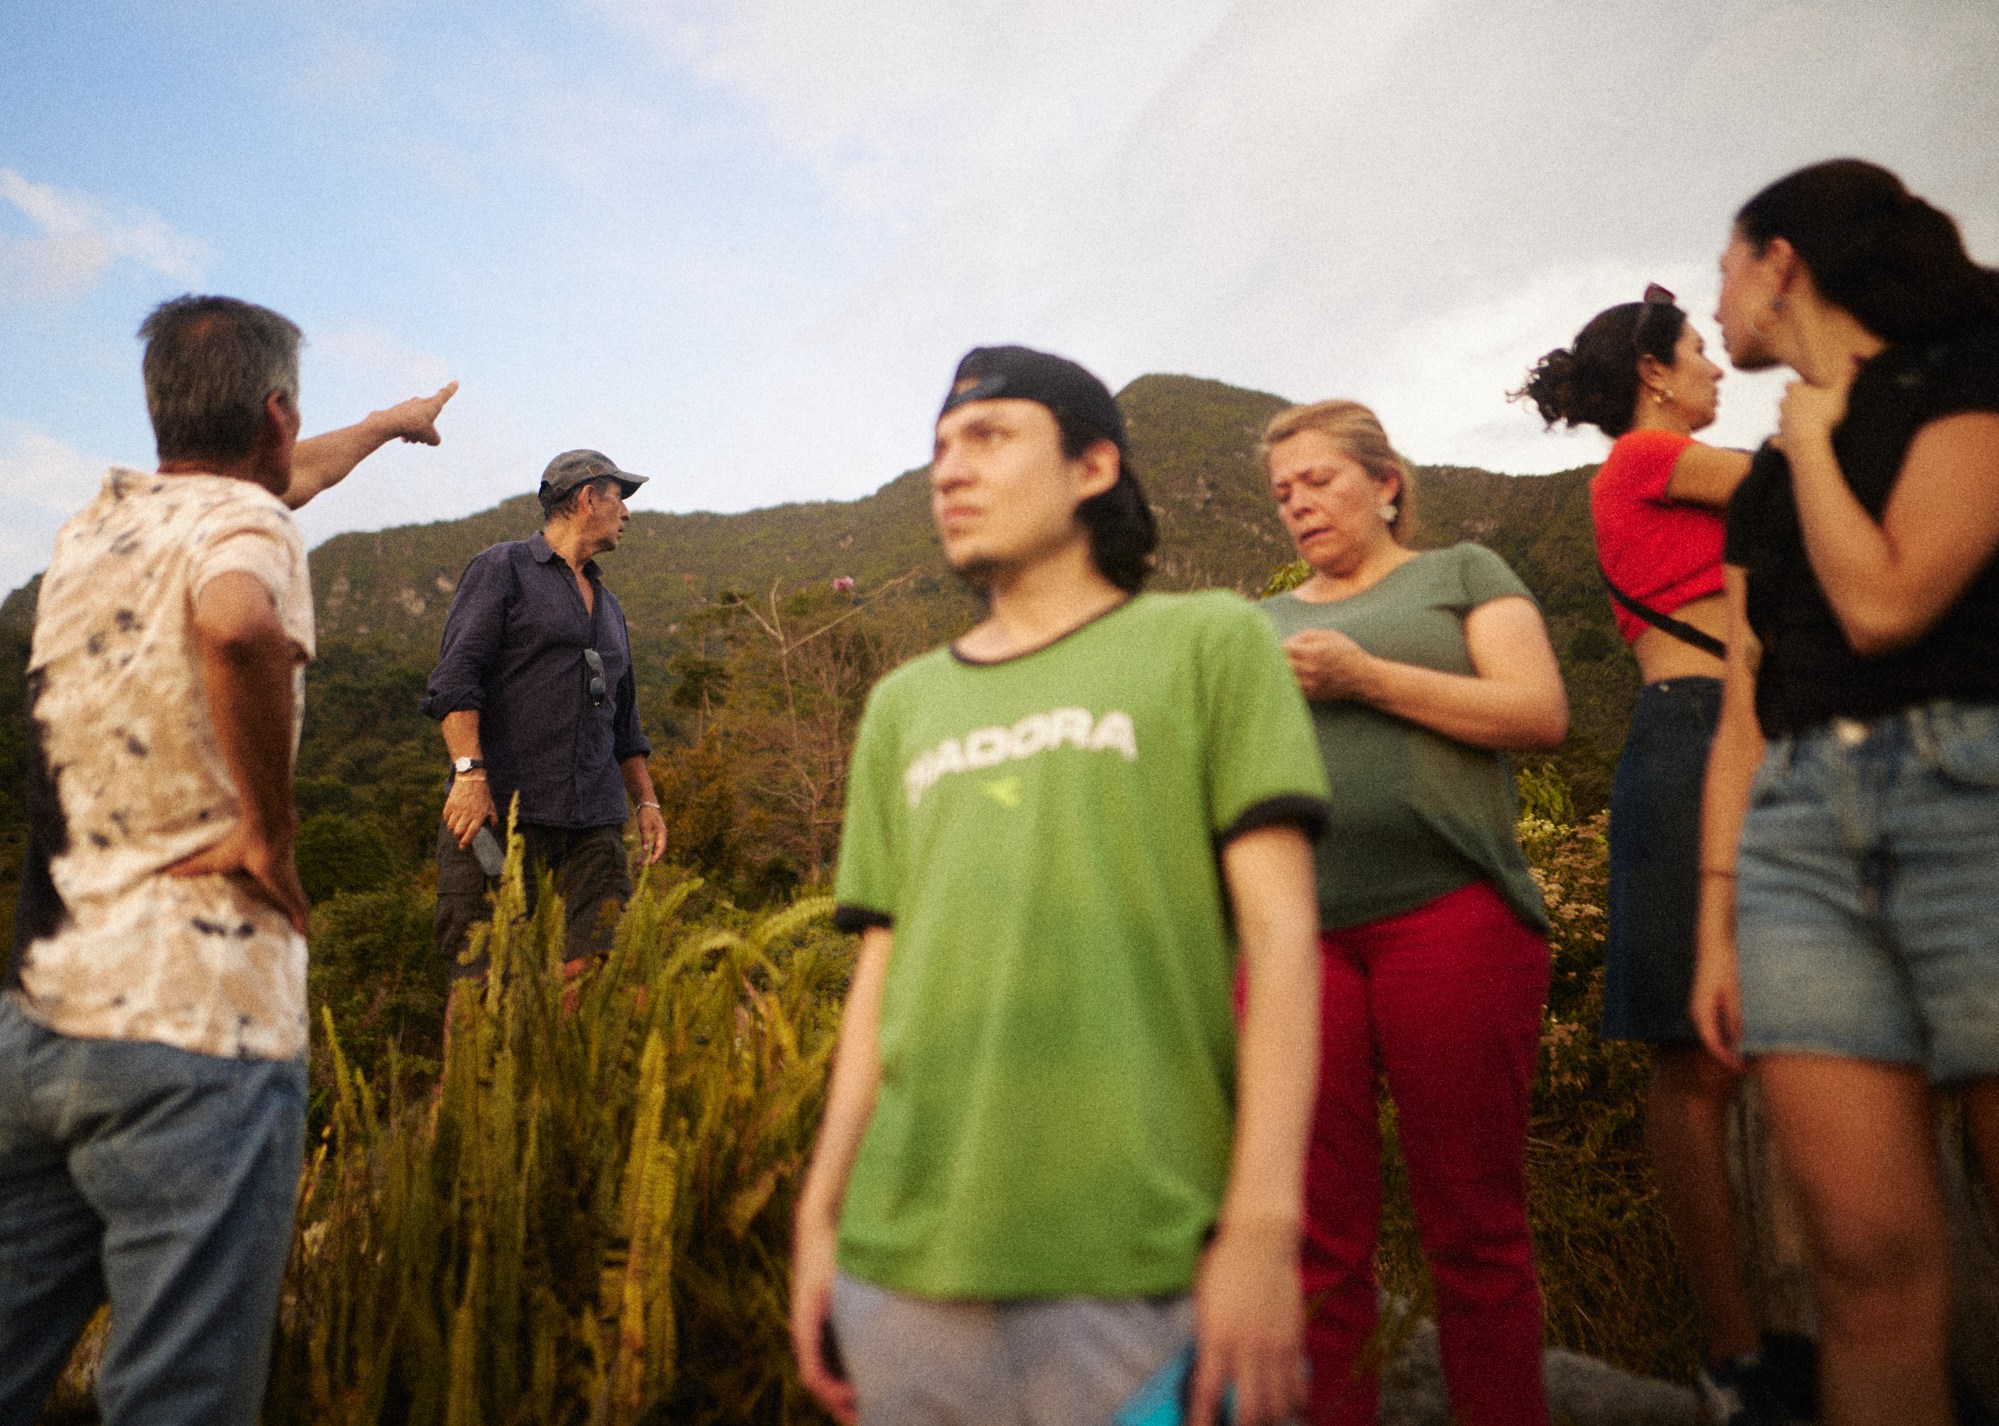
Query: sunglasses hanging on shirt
[[594, 662]]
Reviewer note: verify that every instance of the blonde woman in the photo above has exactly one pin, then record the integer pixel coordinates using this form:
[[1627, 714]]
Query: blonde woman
[[1421, 668]]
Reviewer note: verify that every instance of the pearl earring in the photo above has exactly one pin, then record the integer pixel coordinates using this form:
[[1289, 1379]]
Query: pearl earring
[[1387, 509]]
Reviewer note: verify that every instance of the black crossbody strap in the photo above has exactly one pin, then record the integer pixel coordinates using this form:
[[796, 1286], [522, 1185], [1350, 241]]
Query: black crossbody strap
[[1686, 633]]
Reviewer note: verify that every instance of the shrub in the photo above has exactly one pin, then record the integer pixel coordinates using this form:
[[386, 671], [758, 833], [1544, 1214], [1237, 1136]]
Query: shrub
[[588, 1220], [375, 974], [336, 853]]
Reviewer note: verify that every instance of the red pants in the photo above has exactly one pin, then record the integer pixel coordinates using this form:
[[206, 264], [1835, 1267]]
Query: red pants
[[1444, 1001]]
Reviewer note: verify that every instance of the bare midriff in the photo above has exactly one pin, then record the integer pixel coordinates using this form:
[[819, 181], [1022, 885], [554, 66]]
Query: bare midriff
[[1661, 656]]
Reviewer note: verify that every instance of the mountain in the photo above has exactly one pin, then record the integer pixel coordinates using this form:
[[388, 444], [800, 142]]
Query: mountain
[[1193, 444], [1191, 440]]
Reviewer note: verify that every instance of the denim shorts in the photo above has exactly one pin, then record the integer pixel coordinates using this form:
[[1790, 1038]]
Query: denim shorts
[[1655, 833], [1868, 894]]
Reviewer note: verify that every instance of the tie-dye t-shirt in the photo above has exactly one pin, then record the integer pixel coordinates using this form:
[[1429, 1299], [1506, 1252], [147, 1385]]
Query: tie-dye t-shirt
[[127, 778]]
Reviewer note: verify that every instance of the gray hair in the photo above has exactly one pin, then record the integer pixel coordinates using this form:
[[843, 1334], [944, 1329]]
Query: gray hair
[[210, 362], [564, 505]]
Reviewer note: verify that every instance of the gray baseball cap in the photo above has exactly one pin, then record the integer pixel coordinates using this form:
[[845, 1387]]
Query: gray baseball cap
[[574, 468]]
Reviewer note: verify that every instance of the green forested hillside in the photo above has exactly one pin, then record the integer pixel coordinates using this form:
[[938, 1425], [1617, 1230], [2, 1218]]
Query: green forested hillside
[[369, 773], [1192, 442]]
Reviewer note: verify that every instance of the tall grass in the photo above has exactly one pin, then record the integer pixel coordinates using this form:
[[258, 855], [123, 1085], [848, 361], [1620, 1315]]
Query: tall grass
[[587, 1221], [584, 1218]]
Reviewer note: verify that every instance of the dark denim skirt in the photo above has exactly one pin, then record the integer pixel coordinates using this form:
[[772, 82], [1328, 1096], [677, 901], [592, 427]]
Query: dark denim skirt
[[1655, 835]]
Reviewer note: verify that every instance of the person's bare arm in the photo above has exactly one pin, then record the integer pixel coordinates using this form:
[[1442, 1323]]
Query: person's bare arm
[[850, 1103], [1888, 582], [645, 797], [1249, 1312], [322, 462], [1716, 1000], [1514, 699], [469, 804], [1706, 475], [247, 664]]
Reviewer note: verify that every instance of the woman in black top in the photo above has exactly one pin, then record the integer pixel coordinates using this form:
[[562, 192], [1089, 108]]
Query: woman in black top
[[1849, 924]]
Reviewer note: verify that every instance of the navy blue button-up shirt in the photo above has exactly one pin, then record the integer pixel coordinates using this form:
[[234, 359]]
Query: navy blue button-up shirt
[[513, 652]]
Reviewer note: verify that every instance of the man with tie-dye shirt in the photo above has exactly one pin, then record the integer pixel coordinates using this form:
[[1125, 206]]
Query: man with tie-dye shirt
[[153, 1027]]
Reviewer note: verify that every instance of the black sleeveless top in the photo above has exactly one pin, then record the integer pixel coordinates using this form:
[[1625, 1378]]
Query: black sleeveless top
[[1809, 674]]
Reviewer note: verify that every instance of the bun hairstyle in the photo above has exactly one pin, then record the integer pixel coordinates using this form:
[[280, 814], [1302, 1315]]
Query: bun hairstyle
[[1357, 432], [1875, 249], [1594, 381]]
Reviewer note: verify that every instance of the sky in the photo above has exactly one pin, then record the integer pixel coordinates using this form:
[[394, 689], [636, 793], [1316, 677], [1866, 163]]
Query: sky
[[739, 245]]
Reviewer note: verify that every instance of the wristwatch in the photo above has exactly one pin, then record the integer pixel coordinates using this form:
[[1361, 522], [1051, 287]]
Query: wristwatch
[[466, 764]]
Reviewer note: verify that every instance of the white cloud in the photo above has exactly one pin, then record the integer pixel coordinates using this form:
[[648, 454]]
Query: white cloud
[[1406, 202], [78, 239], [1440, 386], [905, 109], [43, 481], [1400, 200]]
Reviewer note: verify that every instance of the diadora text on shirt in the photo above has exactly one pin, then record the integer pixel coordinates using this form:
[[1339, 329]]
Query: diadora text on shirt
[[1036, 733]]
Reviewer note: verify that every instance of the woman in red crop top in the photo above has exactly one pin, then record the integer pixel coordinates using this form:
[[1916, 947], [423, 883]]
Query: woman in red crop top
[[1639, 373]]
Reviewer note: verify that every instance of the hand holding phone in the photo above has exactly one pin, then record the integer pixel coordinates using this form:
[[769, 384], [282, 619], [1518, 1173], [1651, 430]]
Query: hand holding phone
[[486, 847]]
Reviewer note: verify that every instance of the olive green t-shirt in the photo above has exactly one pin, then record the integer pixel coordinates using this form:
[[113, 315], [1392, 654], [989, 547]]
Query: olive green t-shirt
[[1057, 1042], [1415, 814]]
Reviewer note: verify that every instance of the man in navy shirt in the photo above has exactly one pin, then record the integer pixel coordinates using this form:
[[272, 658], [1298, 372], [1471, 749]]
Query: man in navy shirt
[[534, 689]]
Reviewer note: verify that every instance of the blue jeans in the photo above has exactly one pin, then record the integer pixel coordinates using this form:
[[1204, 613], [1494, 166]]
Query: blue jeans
[[162, 1180], [1867, 909]]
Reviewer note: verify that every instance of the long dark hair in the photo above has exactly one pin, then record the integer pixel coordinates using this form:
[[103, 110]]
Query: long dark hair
[[1119, 521], [1594, 380], [1875, 249]]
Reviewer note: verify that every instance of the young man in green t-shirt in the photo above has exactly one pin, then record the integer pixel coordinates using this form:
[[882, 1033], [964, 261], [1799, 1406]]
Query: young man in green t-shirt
[[1047, 1159]]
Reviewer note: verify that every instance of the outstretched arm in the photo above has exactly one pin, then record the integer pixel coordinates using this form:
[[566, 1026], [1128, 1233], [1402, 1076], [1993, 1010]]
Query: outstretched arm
[[1249, 1310], [1513, 698], [850, 1103], [1888, 582], [324, 461]]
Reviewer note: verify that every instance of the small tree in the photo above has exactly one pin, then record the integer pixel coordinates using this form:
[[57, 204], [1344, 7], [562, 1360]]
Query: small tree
[[800, 689]]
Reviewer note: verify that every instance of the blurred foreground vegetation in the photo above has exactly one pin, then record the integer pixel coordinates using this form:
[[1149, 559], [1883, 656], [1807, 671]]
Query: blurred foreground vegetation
[[583, 1217], [586, 1218]]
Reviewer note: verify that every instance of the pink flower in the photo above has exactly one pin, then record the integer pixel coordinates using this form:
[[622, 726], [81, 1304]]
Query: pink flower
[[844, 584]]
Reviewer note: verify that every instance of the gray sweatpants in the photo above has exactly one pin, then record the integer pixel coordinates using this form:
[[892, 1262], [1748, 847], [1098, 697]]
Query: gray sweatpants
[[1041, 1362]]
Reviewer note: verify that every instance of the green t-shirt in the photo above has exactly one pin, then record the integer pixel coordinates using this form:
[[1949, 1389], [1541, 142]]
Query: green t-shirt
[[1057, 1043], [1415, 814]]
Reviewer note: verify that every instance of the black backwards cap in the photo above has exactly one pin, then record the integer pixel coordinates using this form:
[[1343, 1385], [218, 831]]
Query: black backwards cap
[[1023, 374]]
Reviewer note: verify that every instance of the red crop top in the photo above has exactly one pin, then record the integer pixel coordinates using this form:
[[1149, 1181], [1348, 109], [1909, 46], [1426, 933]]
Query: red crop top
[[1660, 552]]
